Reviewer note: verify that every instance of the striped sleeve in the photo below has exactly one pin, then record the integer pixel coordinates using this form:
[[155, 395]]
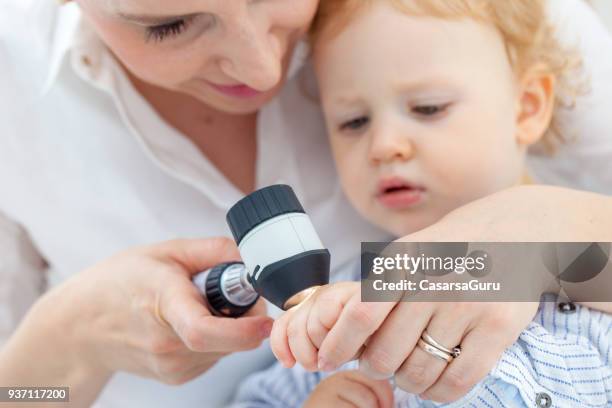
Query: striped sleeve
[[561, 360], [277, 387]]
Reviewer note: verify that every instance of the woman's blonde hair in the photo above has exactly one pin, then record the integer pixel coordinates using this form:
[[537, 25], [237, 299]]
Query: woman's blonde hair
[[529, 37]]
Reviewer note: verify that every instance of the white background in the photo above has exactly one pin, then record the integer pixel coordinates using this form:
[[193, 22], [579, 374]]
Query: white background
[[605, 10]]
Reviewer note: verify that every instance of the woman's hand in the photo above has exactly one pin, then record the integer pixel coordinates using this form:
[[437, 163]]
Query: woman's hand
[[137, 312], [333, 326], [150, 319], [386, 334], [484, 330], [351, 389]]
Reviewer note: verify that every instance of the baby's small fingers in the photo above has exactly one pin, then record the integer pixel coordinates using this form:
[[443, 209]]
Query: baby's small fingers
[[323, 315], [327, 308], [362, 392], [279, 341], [301, 347], [355, 325]]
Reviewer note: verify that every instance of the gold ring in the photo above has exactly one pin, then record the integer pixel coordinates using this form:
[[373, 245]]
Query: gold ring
[[455, 352], [434, 351]]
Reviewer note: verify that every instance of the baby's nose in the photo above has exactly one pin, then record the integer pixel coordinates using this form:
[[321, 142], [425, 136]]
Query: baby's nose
[[388, 145]]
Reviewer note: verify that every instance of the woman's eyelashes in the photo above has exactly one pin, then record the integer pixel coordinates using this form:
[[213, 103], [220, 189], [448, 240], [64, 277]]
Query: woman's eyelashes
[[162, 32]]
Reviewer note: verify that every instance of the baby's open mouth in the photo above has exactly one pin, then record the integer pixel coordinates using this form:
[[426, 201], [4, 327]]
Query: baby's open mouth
[[392, 190], [396, 193]]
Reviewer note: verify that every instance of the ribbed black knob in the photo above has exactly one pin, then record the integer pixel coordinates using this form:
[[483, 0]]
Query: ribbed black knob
[[215, 296], [261, 206]]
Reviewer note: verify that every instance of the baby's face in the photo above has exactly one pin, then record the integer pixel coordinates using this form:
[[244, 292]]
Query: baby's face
[[421, 113]]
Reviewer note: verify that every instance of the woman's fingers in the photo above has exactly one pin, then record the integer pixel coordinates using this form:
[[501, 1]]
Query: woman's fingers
[[196, 255], [355, 325], [259, 309], [396, 338], [186, 313], [421, 369], [481, 348]]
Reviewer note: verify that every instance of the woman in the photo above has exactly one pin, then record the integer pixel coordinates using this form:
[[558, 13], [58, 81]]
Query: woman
[[129, 122]]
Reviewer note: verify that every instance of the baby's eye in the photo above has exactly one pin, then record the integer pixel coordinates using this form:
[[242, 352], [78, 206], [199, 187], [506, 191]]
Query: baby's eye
[[355, 124], [429, 110]]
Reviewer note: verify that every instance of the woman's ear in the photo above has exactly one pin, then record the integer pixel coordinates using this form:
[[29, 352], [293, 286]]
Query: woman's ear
[[536, 103]]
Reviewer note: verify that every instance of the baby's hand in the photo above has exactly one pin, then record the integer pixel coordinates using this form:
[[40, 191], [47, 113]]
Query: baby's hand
[[351, 389], [298, 334]]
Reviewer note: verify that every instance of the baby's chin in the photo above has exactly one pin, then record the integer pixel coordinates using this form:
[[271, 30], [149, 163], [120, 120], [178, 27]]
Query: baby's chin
[[403, 223]]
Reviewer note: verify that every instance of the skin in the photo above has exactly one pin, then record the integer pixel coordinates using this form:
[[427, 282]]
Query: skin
[[470, 143], [155, 324], [224, 43], [392, 330], [378, 120], [182, 341], [136, 312], [350, 389]]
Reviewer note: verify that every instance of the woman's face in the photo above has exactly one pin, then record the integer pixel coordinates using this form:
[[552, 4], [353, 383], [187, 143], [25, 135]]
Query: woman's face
[[232, 55]]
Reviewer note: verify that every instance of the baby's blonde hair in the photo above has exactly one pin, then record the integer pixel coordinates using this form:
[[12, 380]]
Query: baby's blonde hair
[[529, 37]]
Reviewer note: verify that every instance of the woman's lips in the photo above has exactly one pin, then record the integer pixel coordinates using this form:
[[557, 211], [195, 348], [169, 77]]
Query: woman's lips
[[397, 194], [236, 91]]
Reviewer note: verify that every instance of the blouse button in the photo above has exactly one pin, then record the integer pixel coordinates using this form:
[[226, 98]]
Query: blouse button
[[543, 400], [567, 307], [86, 60]]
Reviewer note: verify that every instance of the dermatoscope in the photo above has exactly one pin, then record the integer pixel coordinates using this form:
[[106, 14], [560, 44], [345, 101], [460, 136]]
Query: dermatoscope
[[284, 259]]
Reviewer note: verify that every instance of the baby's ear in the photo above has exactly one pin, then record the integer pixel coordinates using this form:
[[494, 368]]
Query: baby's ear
[[536, 103]]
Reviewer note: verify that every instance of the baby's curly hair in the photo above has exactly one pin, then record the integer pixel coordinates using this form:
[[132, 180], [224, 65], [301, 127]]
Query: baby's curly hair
[[529, 37]]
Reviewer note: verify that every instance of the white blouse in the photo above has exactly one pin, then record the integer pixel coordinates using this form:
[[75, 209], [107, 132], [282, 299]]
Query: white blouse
[[87, 168]]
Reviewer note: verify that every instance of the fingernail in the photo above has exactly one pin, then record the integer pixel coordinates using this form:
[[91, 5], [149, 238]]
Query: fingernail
[[266, 329], [325, 365]]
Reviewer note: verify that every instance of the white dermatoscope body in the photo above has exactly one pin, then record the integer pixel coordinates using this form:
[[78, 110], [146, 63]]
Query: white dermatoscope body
[[283, 256]]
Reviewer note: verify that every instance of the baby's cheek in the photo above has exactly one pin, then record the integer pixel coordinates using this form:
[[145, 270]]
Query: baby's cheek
[[484, 176], [355, 177]]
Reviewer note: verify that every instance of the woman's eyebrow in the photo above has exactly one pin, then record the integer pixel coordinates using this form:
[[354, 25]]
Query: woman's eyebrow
[[151, 19]]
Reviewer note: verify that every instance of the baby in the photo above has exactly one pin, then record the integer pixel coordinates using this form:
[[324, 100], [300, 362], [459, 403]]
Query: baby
[[432, 104]]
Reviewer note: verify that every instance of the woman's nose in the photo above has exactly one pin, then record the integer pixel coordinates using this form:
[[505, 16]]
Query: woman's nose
[[255, 59], [388, 145]]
